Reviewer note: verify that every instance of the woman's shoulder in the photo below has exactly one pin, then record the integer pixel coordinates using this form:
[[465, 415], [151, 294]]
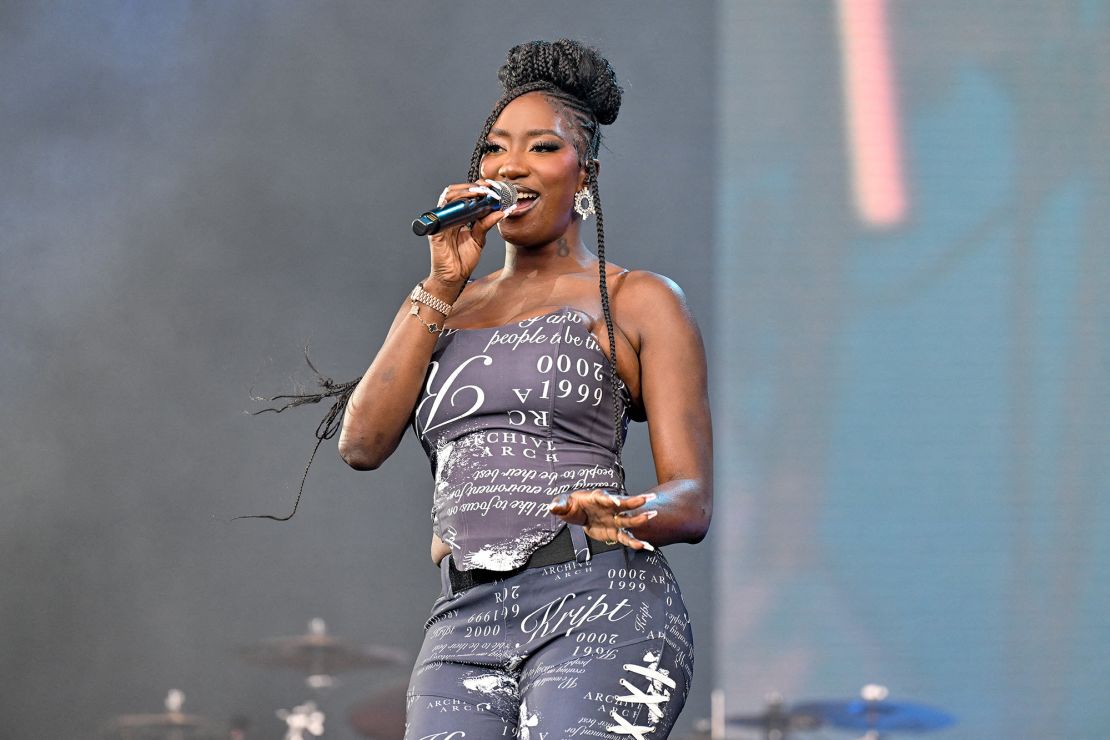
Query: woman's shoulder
[[646, 291]]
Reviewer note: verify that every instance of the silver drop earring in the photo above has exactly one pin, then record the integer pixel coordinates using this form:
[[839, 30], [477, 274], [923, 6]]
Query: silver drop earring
[[584, 203]]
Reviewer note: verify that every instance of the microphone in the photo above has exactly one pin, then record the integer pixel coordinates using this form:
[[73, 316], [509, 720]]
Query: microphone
[[468, 209]]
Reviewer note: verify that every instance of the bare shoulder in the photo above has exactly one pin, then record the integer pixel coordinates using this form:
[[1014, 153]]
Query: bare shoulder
[[648, 298]]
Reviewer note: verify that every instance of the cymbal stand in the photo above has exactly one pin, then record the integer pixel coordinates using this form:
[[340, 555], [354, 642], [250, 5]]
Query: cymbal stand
[[308, 717], [318, 679], [873, 693]]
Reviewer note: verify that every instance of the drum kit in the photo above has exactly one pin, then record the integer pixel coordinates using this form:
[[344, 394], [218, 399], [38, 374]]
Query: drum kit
[[872, 714], [318, 657]]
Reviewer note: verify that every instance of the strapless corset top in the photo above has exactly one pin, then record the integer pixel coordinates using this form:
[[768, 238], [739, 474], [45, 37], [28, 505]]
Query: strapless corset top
[[511, 416]]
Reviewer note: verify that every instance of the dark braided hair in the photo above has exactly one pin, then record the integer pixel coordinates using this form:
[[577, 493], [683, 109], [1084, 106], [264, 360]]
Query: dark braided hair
[[582, 86], [603, 286], [326, 429]]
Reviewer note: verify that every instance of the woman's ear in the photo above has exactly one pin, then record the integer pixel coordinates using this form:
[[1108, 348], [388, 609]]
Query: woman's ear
[[584, 176]]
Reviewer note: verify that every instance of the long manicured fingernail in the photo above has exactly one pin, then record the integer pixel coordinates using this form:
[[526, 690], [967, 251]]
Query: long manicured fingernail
[[651, 514], [649, 496], [479, 189], [648, 546], [510, 209]]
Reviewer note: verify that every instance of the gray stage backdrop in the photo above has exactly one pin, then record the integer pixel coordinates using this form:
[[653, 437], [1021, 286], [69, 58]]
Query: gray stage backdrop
[[189, 193]]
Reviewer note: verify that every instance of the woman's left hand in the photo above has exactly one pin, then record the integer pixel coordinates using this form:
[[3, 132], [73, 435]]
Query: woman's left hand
[[606, 517]]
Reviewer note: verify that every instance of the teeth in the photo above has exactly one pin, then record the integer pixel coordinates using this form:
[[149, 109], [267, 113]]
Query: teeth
[[520, 195]]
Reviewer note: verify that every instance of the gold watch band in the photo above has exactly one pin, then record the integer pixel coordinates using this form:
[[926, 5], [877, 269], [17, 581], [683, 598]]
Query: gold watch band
[[419, 295]]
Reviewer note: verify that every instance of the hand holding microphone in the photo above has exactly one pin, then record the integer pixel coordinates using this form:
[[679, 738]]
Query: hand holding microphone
[[456, 249], [498, 196]]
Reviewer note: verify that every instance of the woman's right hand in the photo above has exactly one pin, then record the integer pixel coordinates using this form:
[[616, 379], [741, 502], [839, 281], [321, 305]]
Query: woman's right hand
[[455, 251]]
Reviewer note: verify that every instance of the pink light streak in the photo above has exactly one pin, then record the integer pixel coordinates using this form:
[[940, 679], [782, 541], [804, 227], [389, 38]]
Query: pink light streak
[[871, 113]]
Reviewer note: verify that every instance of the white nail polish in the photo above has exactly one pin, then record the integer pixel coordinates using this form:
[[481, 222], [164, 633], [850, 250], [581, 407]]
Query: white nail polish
[[648, 546], [650, 497], [508, 211], [652, 514]]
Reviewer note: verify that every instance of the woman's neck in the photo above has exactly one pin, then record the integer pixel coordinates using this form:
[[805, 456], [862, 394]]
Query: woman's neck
[[565, 254]]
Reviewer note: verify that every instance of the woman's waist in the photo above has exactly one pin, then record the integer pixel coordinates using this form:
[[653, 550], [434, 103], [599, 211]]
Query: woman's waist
[[519, 476], [560, 549]]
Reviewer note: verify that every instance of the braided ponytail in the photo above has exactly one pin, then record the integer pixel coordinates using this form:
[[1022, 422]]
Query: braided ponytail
[[603, 286]]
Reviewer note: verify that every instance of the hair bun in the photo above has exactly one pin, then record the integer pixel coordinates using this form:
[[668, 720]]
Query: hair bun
[[573, 67]]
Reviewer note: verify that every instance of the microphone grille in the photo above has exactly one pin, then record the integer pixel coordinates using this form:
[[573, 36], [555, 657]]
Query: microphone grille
[[506, 190]]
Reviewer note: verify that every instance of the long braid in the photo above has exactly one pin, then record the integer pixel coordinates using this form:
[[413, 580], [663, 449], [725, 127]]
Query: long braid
[[603, 286]]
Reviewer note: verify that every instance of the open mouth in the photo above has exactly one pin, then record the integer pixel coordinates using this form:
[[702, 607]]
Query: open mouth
[[525, 199]]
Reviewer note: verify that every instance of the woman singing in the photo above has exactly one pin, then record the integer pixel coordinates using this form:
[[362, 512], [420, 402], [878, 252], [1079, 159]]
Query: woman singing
[[558, 617]]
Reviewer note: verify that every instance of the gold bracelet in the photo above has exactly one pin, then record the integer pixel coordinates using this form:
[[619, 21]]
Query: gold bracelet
[[433, 328]]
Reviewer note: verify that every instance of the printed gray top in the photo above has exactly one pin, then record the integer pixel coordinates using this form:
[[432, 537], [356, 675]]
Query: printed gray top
[[510, 416]]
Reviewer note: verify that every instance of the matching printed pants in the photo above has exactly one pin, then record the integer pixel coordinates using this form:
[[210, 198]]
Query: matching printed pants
[[597, 647]]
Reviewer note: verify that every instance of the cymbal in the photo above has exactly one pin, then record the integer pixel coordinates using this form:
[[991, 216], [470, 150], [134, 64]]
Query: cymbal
[[170, 725], [153, 726], [885, 716], [319, 654], [382, 715]]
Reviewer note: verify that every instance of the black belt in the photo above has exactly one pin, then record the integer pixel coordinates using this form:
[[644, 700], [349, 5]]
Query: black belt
[[559, 550]]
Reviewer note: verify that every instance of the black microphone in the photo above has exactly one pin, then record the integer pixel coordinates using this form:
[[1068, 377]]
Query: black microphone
[[468, 209]]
